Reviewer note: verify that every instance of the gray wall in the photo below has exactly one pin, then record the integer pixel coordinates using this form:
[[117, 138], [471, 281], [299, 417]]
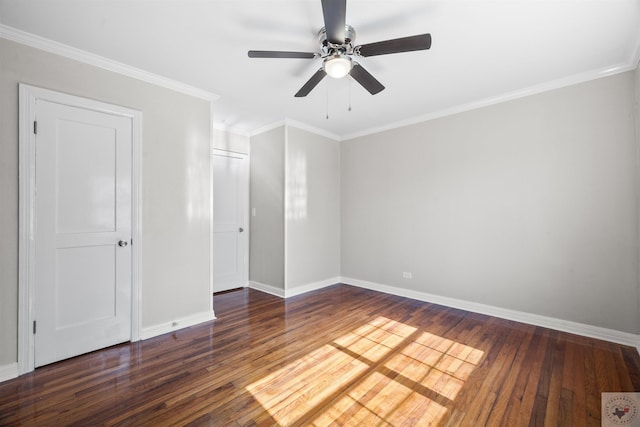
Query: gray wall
[[312, 208], [528, 205], [266, 247], [175, 183]]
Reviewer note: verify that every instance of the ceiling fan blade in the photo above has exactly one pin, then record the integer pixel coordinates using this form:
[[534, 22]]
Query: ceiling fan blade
[[334, 12], [404, 44], [367, 81], [311, 83], [280, 54]]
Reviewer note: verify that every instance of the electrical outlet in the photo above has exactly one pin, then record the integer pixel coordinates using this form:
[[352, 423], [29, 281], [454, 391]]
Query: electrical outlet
[[407, 275]]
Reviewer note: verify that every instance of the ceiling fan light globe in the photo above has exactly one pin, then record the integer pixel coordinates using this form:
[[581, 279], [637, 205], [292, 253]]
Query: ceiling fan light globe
[[337, 66]]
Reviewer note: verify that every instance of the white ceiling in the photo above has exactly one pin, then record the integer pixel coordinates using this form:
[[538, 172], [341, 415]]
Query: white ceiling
[[482, 51]]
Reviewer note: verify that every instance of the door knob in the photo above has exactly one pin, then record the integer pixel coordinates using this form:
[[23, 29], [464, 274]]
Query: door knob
[[241, 229], [123, 243]]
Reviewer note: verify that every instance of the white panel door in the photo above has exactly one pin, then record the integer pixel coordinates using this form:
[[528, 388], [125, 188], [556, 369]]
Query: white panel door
[[82, 231], [230, 243]]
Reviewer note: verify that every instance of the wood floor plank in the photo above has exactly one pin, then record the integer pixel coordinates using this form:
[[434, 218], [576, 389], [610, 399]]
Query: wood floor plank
[[500, 410], [523, 393], [592, 389], [492, 382], [575, 381], [632, 366], [338, 356], [553, 415]]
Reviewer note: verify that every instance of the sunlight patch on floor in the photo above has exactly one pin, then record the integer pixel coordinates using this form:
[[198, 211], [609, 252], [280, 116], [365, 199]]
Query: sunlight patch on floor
[[382, 373]]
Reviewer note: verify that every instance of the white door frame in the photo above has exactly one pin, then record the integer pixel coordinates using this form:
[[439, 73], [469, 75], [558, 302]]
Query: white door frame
[[26, 248], [245, 237]]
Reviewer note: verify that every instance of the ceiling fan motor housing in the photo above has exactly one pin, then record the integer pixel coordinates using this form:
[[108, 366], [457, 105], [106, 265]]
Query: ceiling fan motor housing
[[345, 48]]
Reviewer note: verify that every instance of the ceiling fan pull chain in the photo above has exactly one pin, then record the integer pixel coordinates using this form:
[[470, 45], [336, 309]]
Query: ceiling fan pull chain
[[327, 116], [349, 109]]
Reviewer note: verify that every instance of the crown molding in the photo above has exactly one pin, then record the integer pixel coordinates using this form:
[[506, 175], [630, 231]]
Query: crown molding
[[57, 48], [267, 128], [311, 129], [575, 79], [66, 51], [509, 96], [298, 125]]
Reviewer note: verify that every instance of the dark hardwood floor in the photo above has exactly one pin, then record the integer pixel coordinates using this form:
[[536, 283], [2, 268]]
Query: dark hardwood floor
[[338, 356]]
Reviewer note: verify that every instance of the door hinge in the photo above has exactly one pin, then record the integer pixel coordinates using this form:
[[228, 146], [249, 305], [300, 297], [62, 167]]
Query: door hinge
[[34, 327], [35, 127]]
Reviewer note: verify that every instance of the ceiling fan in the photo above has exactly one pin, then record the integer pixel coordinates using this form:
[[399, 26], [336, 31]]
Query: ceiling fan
[[337, 50]]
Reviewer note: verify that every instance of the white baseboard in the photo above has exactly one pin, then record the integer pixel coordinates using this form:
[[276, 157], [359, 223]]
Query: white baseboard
[[266, 288], [8, 372], [298, 290], [185, 322], [518, 316]]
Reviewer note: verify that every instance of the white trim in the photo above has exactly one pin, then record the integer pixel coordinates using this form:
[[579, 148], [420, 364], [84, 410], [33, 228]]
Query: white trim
[[267, 128], [136, 225], [633, 62], [303, 289], [51, 46], [57, 48], [211, 209], [8, 372], [293, 123], [26, 248], [509, 96], [246, 214], [518, 316], [298, 290], [311, 129], [474, 105], [184, 322], [286, 195], [266, 288]]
